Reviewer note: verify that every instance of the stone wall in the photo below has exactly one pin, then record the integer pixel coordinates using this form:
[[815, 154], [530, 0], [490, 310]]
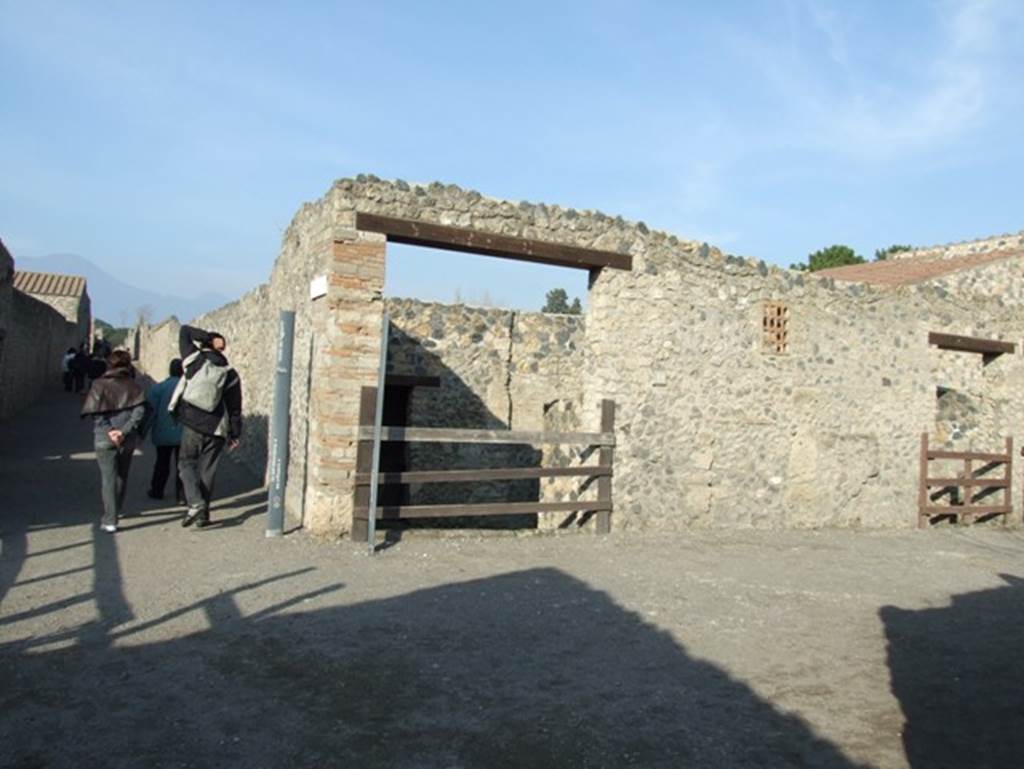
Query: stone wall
[[7, 405], [1000, 280], [75, 310], [714, 428], [33, 340], [1009, 241], [720, 421], [498, 369], [823, 434]]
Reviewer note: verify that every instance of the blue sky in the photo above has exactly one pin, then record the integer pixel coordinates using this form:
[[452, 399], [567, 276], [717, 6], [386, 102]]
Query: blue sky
[[172, 142]]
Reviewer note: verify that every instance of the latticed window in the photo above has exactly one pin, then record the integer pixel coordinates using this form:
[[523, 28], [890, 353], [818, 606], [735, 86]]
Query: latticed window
[[775, 324]]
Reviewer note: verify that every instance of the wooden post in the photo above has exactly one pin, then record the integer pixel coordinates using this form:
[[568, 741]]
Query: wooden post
[[967, 493], [1008, 497], [364, 464], [922, 492], [604, 483]]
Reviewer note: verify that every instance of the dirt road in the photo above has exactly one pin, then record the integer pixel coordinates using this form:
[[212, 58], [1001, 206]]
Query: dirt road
[[164, 647]]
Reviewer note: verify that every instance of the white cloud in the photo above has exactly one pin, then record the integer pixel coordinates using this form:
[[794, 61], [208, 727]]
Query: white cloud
[[933, 92]]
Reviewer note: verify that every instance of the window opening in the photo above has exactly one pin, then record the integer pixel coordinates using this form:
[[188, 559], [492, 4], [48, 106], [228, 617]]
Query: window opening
[[775, 325]]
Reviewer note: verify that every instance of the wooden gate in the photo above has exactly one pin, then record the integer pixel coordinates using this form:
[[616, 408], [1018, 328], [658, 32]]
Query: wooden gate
[[971, 486], [602, 505]]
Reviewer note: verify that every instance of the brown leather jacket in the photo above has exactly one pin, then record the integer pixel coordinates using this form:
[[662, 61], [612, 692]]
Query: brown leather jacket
[[115, 402]]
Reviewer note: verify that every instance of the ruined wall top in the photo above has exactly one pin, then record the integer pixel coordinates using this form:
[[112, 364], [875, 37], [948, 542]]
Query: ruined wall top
[[451, 205], [653, 252], [1007, 242]]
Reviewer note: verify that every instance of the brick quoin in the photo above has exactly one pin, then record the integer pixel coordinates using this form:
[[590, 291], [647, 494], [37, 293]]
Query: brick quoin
[[348, 360]]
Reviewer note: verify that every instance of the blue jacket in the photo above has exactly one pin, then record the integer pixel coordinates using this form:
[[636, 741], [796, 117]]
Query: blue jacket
[[166, 430]]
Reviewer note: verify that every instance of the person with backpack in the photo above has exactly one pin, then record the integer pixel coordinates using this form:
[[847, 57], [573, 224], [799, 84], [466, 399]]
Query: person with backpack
[[208, 404], [117, 406], [166, 435]]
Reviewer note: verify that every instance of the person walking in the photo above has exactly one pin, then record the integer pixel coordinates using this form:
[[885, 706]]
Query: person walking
[[96, 367], [117, 406], [67, 375], [79, 368], [208, 403], [166, 435]]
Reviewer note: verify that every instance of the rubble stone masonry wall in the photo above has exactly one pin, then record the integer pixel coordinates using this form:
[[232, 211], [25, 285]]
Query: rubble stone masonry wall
[[33, 339], [498, 369], [1002, 280], [722, 417], [1009, 241]]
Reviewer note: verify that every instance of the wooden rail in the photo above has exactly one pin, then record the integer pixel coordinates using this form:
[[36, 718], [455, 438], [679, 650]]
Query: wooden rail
[[447, 435], [603, 471], [968, 487]]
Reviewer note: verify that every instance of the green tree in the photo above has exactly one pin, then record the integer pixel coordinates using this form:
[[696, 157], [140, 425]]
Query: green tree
[[557, 301], [882, 254], [114, 335], [833, 256]]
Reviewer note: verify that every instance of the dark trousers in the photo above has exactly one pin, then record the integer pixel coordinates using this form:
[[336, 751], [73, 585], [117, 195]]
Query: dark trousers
[[79, 377], [114, 465], [166, 458], [69, 379], [198, 457]]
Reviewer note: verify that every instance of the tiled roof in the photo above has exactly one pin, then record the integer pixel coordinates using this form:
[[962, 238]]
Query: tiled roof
[[49, 284], [903, 272]]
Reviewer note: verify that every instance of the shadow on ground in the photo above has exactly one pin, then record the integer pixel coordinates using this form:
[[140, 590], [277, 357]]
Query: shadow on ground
[[958, 672], [50, 480], [527, 669]]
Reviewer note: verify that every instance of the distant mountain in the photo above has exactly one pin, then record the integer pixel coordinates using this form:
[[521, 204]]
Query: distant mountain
[[117, 302]]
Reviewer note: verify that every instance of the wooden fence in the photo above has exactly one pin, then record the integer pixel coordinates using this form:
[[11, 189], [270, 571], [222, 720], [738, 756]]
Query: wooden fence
[[602, 505], [970, 486]]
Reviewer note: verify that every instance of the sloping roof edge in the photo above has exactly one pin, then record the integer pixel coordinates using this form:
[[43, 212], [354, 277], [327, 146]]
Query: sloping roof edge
[[49, 283]]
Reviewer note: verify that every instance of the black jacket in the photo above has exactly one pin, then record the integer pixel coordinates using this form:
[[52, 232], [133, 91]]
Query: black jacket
[[189, 340]]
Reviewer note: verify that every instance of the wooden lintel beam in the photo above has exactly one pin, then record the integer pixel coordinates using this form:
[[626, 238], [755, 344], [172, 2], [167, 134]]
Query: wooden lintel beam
[[970, 344], [417, 233], [411, 380]]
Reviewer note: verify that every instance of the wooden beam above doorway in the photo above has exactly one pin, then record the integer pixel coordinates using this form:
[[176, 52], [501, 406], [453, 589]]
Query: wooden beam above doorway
[[985, 347], [416, 233]]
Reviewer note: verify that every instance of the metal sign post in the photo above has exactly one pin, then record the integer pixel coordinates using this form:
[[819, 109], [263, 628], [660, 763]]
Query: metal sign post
[[378, 417], [279, 427]]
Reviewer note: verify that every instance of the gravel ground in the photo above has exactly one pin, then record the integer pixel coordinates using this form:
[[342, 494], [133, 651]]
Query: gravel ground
[[164, 647]]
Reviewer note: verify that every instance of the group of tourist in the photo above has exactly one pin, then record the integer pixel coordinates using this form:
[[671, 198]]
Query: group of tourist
[[192, 416], [77, 364]]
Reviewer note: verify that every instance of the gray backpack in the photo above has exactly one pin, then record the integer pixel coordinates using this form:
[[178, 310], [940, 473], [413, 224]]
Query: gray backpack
[[204, 389]]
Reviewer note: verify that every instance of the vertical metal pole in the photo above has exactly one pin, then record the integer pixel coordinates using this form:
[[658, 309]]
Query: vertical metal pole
[[378, 417], [279, 428]]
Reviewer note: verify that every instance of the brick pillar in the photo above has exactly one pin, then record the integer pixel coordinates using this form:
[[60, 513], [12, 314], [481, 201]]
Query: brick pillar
[[345, 358]]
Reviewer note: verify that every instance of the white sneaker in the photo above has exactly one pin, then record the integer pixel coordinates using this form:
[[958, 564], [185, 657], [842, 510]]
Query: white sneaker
[[109, 527]]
